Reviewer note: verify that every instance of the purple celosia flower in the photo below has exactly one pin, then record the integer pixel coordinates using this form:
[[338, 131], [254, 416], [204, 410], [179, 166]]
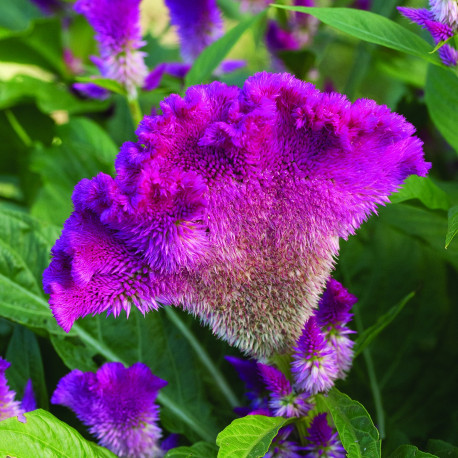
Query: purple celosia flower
[[118, 405], [91, 90], [254, 6], [117, 26], [231, 205], [324, 443], [284, 401], [445, 11], [439, 29], [197, 26], [9, 407], [314, 363], [283, 447]]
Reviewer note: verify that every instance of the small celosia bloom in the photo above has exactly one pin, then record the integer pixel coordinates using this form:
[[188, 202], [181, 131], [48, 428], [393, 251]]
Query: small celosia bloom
[[283, 447], [323, 442], [198, 25], [118, 405], [9, 407], [284, 402], [117, 26], [439, 30], [231, 205], [314, 363]]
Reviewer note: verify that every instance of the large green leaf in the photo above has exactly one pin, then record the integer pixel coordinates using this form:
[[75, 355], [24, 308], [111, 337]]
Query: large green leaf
[[248, 437], [198, 450], [49, 96], [213, 55], [45, 436], [357, 432], [423, 189], [83, 150], [371, 27], [441, 96], [410, 451], [373, 331], [452, 225], [24, 254], [442, 449], [16, 16], [26, 364]]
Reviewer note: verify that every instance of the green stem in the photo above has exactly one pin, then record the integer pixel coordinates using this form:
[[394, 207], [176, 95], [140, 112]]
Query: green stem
[[135, 111], [20, 131], [166, 401], [203, 356], [376, 393]]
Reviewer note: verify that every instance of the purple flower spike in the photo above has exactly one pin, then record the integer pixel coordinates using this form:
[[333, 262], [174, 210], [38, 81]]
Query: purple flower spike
[[198, 26], [118, 405], [282, 447], [28, 402], [445, 11], [230, 205], [117, 26], [323, 442], [284, 402], [9, 407], [314, 363]]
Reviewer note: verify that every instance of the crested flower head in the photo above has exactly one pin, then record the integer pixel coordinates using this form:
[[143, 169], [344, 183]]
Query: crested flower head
[[323, 442], [118, 405], [231, 205], [117, 27], [284, 401], [314, 363], [197, 26]]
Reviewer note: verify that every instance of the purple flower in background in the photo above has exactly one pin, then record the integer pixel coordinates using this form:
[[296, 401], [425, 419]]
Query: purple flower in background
[[324, 443], [332, 315], [283, 447], [197, 26], [9, 407], [231, 205], [314, 363], [118, 405], [284, 402], [117, 27], [440, 26]]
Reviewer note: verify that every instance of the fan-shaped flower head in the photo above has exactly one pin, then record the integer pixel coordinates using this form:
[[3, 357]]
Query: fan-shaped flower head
[[332, 315], [9, 407], [231, 205], [118, 405], [117, 27], [323, 442], [284, 401]]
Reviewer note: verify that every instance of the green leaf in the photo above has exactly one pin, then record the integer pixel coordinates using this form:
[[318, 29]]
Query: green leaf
[[423, 189], [44, 436], [213, 55], [16, 16], [106, 83], [50, 96], [25, 357], [248, 437], [24, 254], [371, 27], [441, 96], [410, 451], [452, 225], [372, 332], [82, 150], [198, 450], [442, 449], [357, 432]]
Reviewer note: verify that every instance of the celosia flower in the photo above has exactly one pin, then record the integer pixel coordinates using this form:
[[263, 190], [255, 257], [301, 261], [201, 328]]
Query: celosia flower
[[284, 401], [314, 363], [198, 26], [438, 26], [324, 443], [231, 205], [283, 447], [118, 405], [445, 11], [332, 315], [117, 26], [9, 407]]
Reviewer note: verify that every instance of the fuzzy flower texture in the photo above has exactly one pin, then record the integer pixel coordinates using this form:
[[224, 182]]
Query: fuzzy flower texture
[[231, 205], [441, 21]]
